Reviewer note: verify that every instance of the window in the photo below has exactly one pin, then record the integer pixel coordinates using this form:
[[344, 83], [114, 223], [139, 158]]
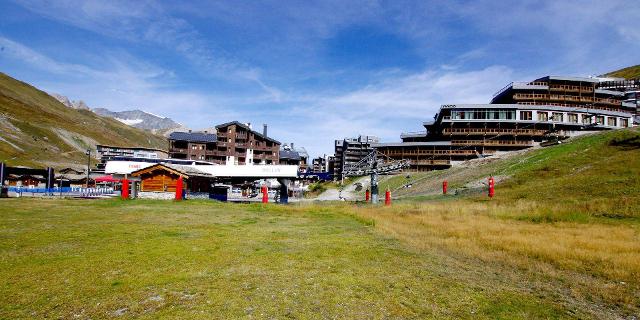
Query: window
[[612, 121], [600, 120], [572, 117], [543, 116], [525, 115], [558, 117], [586, 119], [624, 123]]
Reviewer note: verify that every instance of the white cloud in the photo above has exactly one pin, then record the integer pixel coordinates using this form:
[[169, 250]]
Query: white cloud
[[387, 108]]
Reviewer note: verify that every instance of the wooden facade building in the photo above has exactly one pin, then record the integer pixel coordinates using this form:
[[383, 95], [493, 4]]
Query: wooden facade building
[[164, 178]]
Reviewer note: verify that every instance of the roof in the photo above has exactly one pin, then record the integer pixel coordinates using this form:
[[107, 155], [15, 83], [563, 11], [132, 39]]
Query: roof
[[193, 136], [240, 124], [566, 78], [289, 154], [134, 148], [185, 171]]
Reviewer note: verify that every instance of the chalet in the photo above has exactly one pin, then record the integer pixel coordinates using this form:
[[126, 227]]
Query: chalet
[[160, 181]]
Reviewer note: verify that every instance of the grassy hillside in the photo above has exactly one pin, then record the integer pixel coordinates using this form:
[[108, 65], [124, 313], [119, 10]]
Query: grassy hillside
[[585, 172], [627, 73], [38, 130]]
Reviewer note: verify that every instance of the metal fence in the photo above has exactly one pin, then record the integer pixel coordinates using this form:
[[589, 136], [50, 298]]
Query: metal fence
[[64, 191]]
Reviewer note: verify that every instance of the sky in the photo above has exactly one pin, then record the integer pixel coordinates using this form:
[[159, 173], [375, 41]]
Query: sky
[[314, 71]]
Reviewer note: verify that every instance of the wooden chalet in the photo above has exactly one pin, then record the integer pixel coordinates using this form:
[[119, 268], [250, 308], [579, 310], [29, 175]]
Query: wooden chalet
[[164, 177]]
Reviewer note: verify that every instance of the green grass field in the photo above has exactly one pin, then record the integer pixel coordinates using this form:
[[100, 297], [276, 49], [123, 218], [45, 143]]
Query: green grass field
[[155, 259]]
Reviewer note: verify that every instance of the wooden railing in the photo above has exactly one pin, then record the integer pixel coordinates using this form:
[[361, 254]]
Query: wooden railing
[[430, 162], [492, 143], [396, 153], [569, 88]]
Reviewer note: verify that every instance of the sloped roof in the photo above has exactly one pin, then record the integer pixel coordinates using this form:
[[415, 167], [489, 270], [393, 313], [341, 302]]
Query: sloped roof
[[289, 154], [193, 136], [185, 171], [240, 124]]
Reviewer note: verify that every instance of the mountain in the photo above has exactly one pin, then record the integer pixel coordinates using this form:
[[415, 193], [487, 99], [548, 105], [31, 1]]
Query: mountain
[[37, 130], [69, 103], [142, 120], [627, 73]]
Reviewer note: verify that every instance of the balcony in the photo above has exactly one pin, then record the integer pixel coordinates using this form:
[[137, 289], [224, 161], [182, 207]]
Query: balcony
[[492, 131], [409, 153], [177, 150], [493, 143], [568, 88], [430, 162]]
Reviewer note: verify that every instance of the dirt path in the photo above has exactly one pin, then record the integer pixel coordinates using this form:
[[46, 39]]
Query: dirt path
[[349, 192]]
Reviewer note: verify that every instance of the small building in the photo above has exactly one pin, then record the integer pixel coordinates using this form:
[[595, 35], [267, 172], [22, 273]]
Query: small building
[[160, 181]]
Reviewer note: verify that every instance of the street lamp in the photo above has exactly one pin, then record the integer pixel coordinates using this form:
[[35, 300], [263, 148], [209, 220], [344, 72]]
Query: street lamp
[[88, 153]]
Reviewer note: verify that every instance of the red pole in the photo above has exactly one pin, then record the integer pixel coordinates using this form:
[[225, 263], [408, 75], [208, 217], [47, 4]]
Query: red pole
[[265, 194], [367, 195], [492, 190], [179, 186], [444, 187], [125, 189], [387, 198]]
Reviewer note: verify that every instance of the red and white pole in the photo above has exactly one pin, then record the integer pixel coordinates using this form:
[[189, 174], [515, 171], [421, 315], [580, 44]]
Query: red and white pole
[[387, 198], [444, 187], [367, 195]]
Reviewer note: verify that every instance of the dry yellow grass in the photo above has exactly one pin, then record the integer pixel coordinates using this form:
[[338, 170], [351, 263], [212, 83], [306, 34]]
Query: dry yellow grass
[[598, 262]]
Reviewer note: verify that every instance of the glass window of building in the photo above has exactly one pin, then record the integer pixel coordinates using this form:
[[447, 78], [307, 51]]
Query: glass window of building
[[572, 117], [558, 117], [624, 123], [612, 121], [600, 120], [586, 119], [526, 115], [543, 116]]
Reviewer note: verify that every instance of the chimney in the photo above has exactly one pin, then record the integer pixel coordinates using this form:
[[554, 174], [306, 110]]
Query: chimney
[[264, 129], [291, 145], [249, 125], [189, 130], [205, 132]]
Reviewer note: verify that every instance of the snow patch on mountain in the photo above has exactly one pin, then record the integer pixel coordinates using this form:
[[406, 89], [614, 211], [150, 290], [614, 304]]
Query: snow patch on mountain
[[130, 122]]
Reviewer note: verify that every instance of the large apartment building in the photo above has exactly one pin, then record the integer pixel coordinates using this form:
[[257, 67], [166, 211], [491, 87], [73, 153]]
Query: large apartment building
[[351, 150], [519, 116], [232, 143]]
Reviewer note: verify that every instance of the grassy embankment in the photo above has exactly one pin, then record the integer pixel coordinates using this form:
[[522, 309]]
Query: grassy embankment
[[627, 73], [547, 246]]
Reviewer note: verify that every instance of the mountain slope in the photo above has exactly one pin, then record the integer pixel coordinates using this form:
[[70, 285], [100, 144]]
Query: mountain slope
[[141, 119], [627, 73], [38, 130]]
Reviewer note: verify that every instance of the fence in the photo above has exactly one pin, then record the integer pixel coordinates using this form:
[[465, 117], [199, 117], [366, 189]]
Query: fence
[[64, 191]]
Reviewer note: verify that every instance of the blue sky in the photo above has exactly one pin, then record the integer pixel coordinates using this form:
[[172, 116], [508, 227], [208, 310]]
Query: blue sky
[[314, 71]]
